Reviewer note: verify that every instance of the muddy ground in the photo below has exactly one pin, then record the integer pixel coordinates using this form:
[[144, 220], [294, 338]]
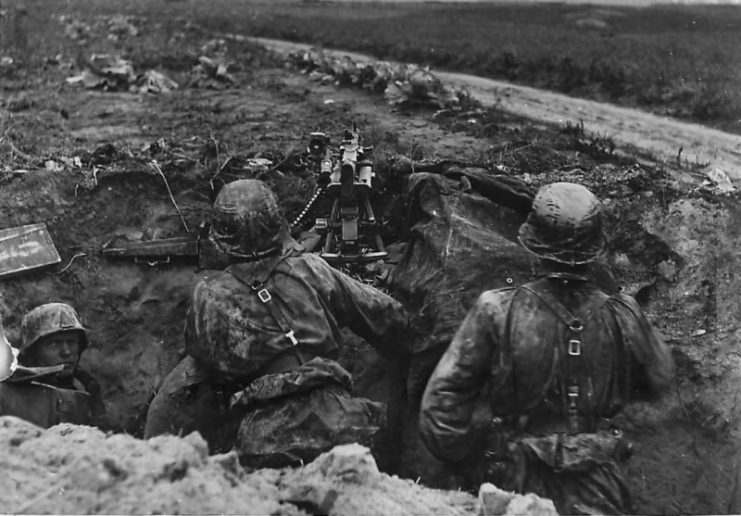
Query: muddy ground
[[687, 149], [675, 246]]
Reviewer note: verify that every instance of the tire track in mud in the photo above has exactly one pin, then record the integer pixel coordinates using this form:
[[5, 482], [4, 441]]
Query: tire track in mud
[[644, 136]]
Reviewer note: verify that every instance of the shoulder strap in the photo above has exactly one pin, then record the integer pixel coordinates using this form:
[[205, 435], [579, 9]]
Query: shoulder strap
[[571, 391], [565, 315], [263, 294]]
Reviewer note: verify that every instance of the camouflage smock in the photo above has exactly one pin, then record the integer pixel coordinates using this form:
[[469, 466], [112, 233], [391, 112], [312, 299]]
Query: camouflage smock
[[512, 342], [223, 389], [234, 334], [291, 418]]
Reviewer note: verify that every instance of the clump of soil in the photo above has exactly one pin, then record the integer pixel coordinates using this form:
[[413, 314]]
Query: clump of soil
[[70, 469]]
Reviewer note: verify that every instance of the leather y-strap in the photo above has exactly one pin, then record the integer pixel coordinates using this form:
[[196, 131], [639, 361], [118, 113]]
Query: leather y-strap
[[575, 326], [566, 316], [257, 285]]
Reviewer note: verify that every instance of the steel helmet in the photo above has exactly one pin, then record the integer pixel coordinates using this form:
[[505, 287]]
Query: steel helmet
[[247, 221], [48, 319], [564, 225]]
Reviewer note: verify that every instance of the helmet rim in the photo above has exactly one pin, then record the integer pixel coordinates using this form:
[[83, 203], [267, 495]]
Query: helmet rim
[[571, 255]]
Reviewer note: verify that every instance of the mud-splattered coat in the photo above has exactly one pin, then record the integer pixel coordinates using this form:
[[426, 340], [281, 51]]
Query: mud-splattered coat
[[514, 343], [233, 339], [232, 331]]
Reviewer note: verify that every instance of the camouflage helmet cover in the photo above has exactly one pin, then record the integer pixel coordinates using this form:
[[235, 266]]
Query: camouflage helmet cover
[[564, 225], [48, 319], [247, 221]]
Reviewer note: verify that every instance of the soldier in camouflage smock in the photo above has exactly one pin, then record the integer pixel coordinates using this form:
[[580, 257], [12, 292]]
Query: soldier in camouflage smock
[[560, 357], [263, 338]]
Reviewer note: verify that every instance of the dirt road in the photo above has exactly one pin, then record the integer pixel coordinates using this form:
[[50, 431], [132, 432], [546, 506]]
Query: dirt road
[[685, 148]]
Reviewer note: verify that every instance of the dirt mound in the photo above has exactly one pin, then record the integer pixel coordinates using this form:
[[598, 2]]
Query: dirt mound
[[70, 469]]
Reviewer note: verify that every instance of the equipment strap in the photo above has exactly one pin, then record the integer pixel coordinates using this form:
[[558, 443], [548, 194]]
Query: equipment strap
[[570, 388], [573, 322], [263, 294]]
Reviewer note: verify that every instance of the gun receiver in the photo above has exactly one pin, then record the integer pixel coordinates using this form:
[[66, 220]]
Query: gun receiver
[[350, 231]]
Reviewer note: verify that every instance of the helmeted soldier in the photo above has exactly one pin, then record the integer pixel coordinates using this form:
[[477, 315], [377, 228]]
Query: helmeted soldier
[[263, 338], [560, 358], [48, 387]]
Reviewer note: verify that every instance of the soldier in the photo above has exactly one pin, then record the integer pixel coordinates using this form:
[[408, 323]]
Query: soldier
[[263, 338], [560, 357], [49, 387]]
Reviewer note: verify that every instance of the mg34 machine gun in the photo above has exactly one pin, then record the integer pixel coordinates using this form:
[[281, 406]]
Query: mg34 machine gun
[[349, 231], [339, 217]]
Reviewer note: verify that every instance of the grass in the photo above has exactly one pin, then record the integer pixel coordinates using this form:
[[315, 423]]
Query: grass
[[682, 61], [678, 60]]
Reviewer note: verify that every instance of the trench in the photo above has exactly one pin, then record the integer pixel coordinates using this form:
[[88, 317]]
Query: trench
[[674, 247], [675, 252]]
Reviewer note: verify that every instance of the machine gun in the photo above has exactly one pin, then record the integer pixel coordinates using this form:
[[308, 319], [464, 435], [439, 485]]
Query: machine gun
[[344, 229], [349, 231]]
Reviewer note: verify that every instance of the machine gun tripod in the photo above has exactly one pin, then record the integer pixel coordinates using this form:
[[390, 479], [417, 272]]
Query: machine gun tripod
[[349, 230]]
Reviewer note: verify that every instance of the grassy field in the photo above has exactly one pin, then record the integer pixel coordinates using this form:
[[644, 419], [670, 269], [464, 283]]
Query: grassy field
[[681, 60]]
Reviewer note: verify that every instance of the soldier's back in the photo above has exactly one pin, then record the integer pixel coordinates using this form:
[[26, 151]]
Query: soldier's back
[[555, 334]]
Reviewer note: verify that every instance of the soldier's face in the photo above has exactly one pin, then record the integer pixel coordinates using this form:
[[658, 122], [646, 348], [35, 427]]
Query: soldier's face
[[58, 348]]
